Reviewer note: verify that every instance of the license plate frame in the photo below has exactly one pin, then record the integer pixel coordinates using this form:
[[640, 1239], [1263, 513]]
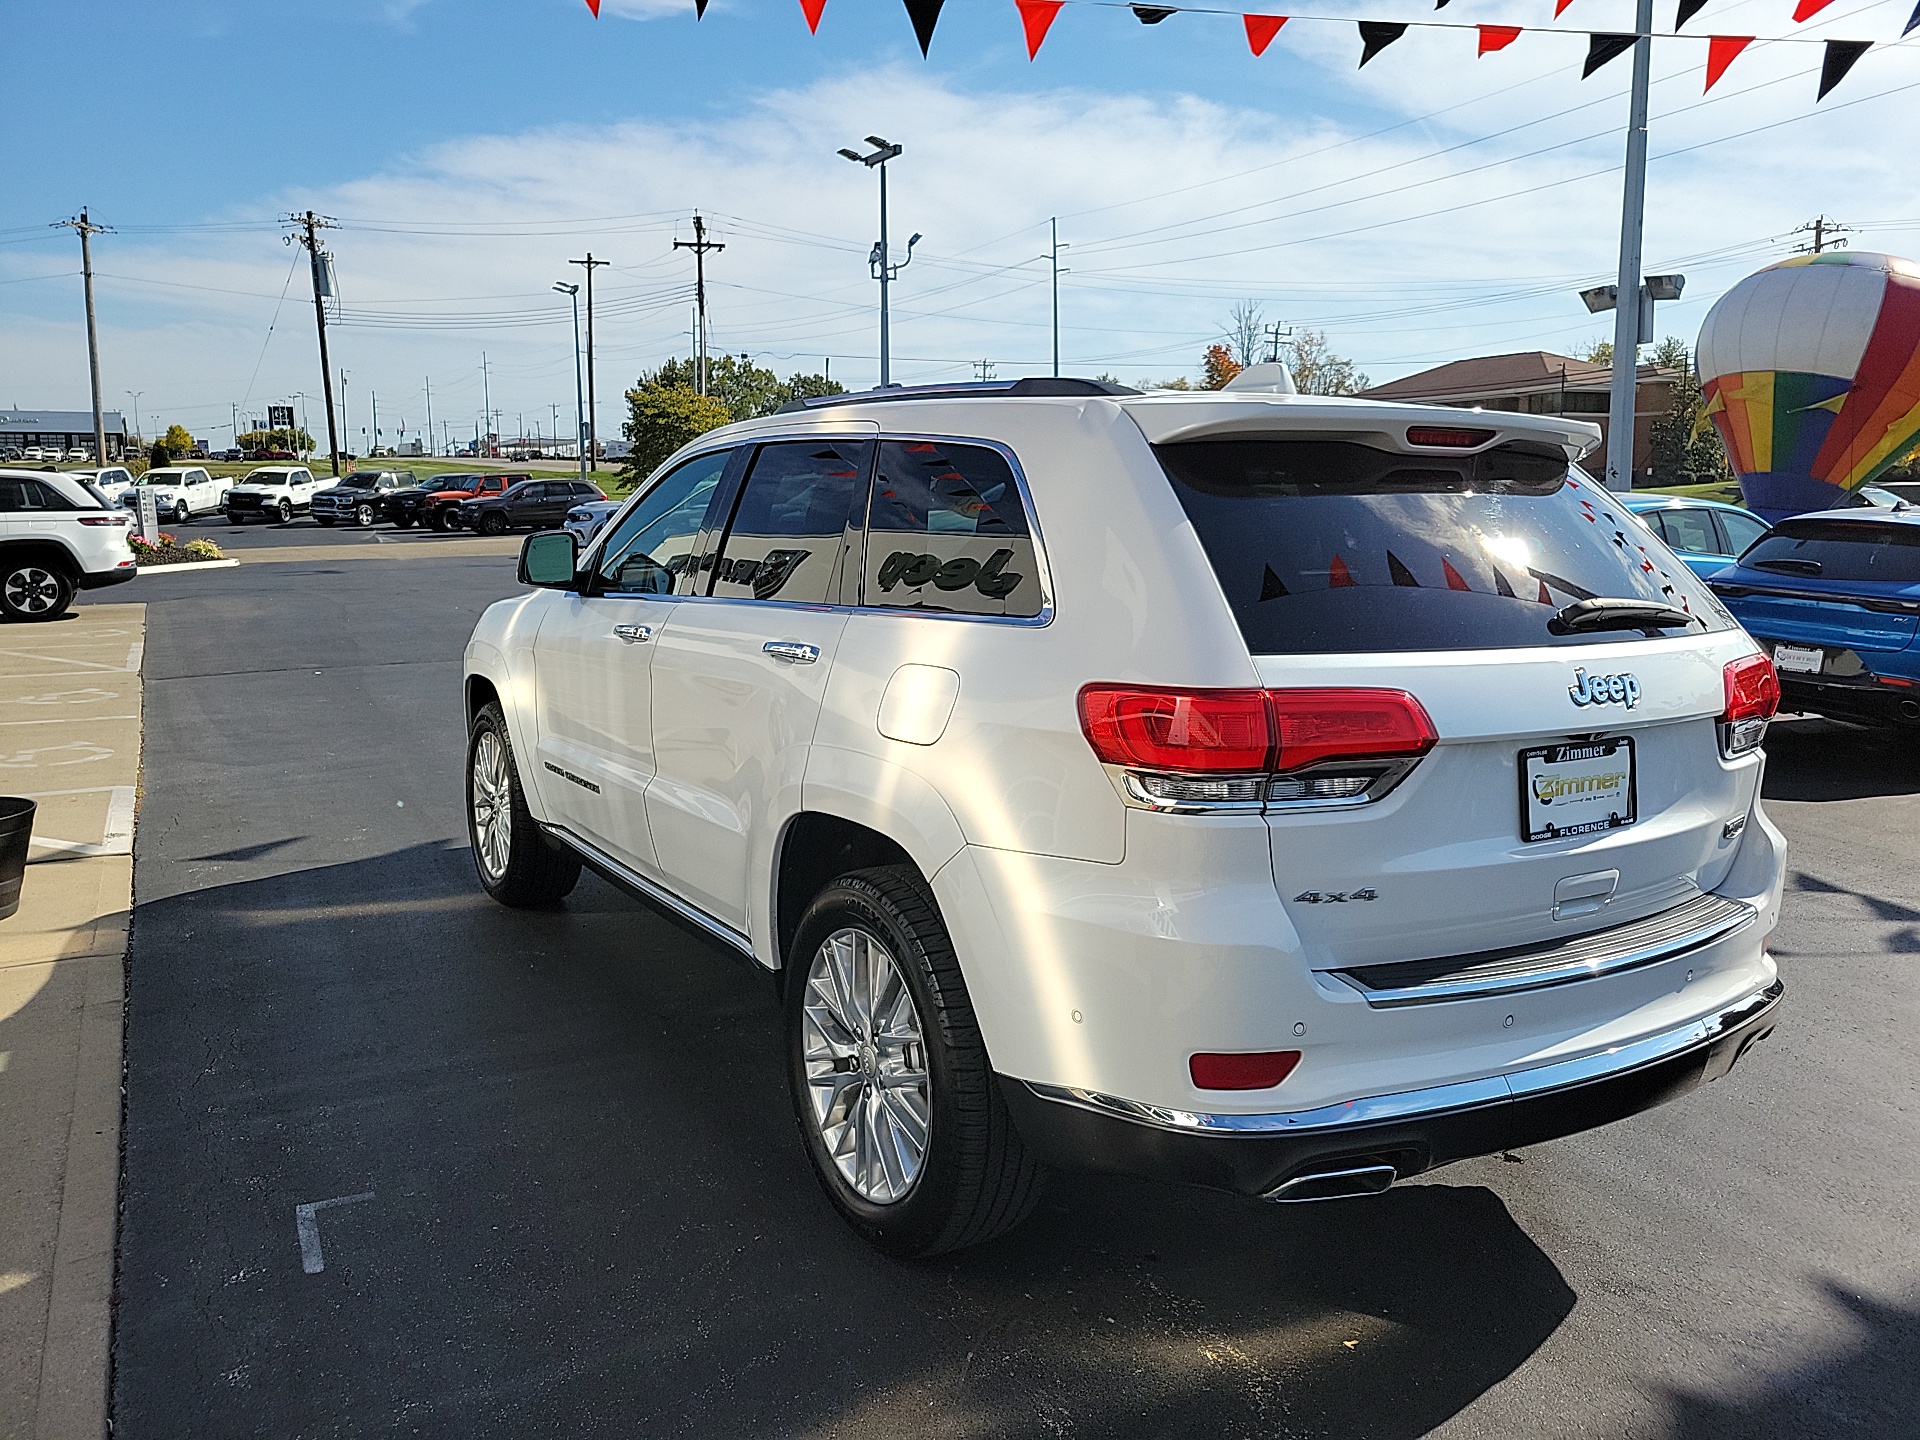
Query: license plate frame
[[1794, 658], [1578, 761]]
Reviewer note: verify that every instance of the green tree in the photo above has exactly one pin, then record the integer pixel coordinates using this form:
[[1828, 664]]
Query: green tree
[[178, 439], [1600, 352], [662, 418], [296, 440], [1686, 447], [1318, 371]]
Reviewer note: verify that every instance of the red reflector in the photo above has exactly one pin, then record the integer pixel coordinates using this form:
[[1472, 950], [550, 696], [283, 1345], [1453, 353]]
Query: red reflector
[[1753, 689], [1442, 437], [1192, 730], [1317, 725], [1259, 1071], [1893, 680]]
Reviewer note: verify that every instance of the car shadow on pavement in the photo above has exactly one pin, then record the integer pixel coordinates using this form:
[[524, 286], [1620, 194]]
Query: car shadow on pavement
[[1872, 1388], [588, 1213], [1811, 758]]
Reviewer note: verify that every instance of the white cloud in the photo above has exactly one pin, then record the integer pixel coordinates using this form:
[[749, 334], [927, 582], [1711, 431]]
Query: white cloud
[[1174, 206]]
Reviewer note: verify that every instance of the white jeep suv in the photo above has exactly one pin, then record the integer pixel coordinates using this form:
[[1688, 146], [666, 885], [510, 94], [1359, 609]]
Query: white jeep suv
[[1275, 793], [273, 492], [58, 534]]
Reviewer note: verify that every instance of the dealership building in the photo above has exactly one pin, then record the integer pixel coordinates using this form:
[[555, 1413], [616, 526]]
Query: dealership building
[[69, 429]]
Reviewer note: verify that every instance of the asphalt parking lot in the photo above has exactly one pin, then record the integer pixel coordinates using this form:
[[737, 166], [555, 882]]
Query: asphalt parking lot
[[400, 1161]]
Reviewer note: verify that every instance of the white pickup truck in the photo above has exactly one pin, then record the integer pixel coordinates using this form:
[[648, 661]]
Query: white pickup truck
[[273, 492]]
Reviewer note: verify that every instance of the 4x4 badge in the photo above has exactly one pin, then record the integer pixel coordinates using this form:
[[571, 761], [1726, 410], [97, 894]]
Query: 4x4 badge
[[1603, 689], [1334, 897]]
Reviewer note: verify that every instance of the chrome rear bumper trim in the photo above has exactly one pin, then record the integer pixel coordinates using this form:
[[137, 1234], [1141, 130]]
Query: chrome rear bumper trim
[[1438, 1099], [1665, 936]]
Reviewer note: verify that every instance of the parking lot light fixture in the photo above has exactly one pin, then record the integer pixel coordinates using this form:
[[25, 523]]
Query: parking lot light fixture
[[579, 384], [880, 262]]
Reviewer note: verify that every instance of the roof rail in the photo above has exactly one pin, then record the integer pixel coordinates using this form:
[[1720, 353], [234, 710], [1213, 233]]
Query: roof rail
[[1032, 385]]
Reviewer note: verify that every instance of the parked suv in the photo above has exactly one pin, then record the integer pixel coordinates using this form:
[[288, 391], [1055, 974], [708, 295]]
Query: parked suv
[[57, 535], [1277, 793], [361, 497], [273, 492], [530, 505], [179, 493], [438, 500]]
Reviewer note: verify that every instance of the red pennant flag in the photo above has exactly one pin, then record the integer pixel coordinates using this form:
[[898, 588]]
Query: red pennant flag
[[811, 9], [1807, 9], [1545, 598], [1260, 31], [594, 6], [1721, 50], [1037, 17], [1455, 580], [1337, 573], [1497, 37], [1560, 7]]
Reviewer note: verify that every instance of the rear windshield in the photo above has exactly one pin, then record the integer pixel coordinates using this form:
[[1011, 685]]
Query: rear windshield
[[1332, 546], [1839, 550]]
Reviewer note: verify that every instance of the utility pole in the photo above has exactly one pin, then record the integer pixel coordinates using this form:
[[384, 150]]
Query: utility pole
[[1627, 313], [373, 440], [344, 426], [308, 235], [699, 245], [486, 402], [1823, 230], [429, 415], [593, 428], [136, 394], [983, 370], [1276, 335], [87, 230], [1057, 273]]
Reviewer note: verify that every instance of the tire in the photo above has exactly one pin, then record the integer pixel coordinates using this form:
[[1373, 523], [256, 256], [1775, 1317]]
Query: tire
[[34, 590], [324, 521], [441, 520], [403, 522], [491, 523], [363, 516], [235, 518], [974, 1179], [517, 864], [181, 514], [286, 512]]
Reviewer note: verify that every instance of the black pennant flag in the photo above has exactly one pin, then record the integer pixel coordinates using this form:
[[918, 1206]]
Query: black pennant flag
[[1602, 48], [1841, 55], [925, 14], [1152, 14], [1915, 20], [1688, 9], [699, 9], [1376, 35], [1440, 4]]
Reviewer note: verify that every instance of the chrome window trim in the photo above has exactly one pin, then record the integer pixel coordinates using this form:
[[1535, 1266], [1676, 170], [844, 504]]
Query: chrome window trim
[[649, 890], [1437, 1100]]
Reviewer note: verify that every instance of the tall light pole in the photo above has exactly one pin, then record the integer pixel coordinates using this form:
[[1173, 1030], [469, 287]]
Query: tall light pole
[[880, 261], [1628, 313], [572, 292], [136, 394], [301, 396], [1054, 256], [593, 429]]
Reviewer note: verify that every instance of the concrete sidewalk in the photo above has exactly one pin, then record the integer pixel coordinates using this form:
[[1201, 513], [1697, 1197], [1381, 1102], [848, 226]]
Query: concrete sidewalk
[[70, 704]]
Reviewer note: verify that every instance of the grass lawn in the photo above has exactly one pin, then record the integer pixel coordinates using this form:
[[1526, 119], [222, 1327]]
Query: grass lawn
[[1728, 491]]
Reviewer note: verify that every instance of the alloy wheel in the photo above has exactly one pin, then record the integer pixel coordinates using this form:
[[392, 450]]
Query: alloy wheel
[[492, 805], [364, 515], [866, 1060], [32, 590]]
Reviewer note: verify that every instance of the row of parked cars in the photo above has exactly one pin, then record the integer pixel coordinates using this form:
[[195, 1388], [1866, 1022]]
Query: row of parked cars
[[486, 504]]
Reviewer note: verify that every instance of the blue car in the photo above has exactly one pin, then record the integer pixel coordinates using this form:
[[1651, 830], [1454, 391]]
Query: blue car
[[1835, 598], [1706, 534]]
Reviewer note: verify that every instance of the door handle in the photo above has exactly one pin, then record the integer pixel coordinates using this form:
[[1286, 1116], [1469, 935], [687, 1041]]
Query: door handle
[[634, 634], [792, 651]]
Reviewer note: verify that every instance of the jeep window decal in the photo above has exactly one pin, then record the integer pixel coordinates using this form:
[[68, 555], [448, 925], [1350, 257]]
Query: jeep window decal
[[947, 530]]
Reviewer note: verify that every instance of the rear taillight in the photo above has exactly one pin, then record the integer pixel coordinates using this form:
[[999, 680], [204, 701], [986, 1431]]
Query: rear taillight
[[1234, 1071], [105, 520], [1753, 696], [1212, 747]]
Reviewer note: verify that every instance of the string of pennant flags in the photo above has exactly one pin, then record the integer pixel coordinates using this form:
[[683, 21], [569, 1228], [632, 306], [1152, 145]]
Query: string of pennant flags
[[1037, 17]]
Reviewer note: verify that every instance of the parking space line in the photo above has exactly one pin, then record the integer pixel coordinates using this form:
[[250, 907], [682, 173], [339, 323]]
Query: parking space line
[[307, 1226]]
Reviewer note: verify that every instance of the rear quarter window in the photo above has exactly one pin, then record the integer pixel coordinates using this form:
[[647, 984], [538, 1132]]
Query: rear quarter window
[[1328, 546], [947, 530]]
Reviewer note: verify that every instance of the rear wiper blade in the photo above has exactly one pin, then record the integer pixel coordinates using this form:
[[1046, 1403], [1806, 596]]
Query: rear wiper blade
[[1602, 613], [1790, 566]]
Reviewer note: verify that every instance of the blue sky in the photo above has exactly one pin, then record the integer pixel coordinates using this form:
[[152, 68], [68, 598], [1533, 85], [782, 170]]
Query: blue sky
[[1430, 206]]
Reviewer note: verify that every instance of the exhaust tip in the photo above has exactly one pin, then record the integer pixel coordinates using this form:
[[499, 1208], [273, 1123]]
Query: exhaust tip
[[1335, 1184], [1910, 709]]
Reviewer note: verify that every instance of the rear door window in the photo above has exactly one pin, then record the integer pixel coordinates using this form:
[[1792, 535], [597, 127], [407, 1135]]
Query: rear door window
[[796, 519], [947, 530], [1327, 546], [1839, 550]]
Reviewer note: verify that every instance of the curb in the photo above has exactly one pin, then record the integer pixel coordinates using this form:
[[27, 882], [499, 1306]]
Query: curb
[[187, 565]]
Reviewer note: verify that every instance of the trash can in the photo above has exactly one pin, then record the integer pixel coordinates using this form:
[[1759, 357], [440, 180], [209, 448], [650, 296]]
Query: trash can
[[16, 832]]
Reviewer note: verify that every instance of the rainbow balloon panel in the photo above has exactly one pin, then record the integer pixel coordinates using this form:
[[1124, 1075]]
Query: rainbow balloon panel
[[1812, 376]]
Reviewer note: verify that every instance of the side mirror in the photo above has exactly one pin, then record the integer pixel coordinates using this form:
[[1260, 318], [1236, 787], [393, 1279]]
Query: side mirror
[[549, 558]]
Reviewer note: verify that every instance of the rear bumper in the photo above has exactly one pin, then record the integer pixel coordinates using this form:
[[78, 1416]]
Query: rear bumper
[[98, 579], [1867, 701], [1410, 1132]]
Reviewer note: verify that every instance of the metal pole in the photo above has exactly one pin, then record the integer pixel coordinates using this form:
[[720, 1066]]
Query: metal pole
[[429, 415], [136, 394], [312, 224], [579, 391], [593, 404], [86, 229], [1055, 223], [1626, 317], [345, 424], [373, 440], [486, 397], [886, 366]]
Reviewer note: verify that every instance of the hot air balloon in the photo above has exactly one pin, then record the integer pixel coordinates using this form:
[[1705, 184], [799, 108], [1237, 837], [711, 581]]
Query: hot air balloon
[[1811, 372]]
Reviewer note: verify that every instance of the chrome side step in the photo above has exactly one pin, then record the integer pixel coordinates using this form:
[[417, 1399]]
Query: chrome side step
[[645, 889], [1665, 936]]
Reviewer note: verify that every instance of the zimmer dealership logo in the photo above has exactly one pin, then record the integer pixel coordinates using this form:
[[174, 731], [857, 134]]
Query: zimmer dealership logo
[[1603, 689]]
